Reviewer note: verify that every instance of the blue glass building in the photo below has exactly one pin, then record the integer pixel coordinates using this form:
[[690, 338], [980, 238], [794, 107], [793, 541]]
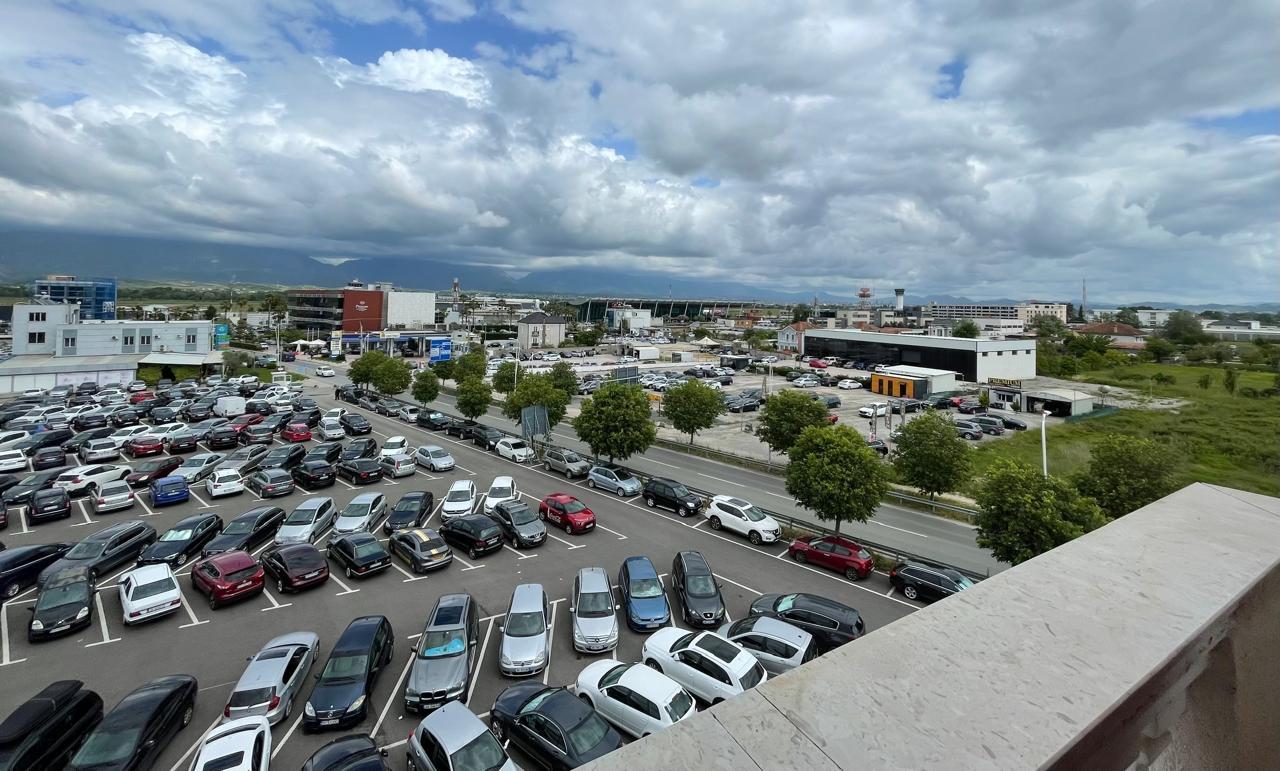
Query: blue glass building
[[97, 296]]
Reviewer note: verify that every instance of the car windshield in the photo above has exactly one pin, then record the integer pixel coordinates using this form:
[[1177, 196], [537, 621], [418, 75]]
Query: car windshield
[[588, 733], [522, 515], [239, 527], [525, 625], [108, 747], [482, 753], [370, 549], [345, 667], [574, 506], [646, 588], [75, 593], [438, 453], [490, 532], [754, 514], [680, 491], [595, 604], [499, 491], [356, 510], [459, 494], [785, 602], [395, 444], [700, 586], [517, 445], [753, 676], [144, 591], [623, 475], [680, 705], [250, 697], [177, 535], [442, 643], [86, 550], [300, 517]]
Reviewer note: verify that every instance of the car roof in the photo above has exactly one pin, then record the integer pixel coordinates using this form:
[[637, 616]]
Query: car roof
[[37, 710], [448, 611], [111, 531], [650, 683], [732, 501], [593, 579], [526, 598], [695, 563], [358, 634], [502, 481], [640, 567], [453, 725], [230, 560], [461, 484], [774, 627], [149, 573], [742, 660]]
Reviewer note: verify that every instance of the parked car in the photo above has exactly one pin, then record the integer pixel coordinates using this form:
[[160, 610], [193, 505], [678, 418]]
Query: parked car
[[835, 552], [342, 691], [48, 458], [361, 515], [284, 457], [112, 496], [644, 600], [184, 442], [501, 490], [670, 494], [147, 593], [184, 541], [82, 480], [452, 737], [223, 482], [105, 550], [307, 522], [968, 429], [45, 731], [359, 448], [874, 410], [227, 576], [436, 421], [526, 632], [592, 608], [697, 590], [199, 466], [329, 452], [247, 531], [475, 534], [97, 449], [422, 549], [742, 517], [805, 381], [434, 458], [248, 740], [613, 479], [360, 472], [355, 424], [20, 493], [139, 728], [635, 699], [45, 505], [313, 474], [704, 663], [459, 500], [486, 437], [566, 462], [358, 554], [1011, 423], [296, 432], [139, 446], [64, 605], [514, 449], [918, 581], [831, 623], [777, 645], [990, 424], [330, 428], [567, 512], [147, 471], [447, 655], [295, 566], [520, 707], [397, 466], [848, 384], [21, 566], [270, 483], [411, 511], [168, 490]]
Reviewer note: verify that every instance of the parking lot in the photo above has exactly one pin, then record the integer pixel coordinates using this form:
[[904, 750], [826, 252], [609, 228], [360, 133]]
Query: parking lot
[[212, 645]]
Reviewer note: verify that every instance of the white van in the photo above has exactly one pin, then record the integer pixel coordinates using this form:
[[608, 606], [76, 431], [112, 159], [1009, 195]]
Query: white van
[[229, 406]]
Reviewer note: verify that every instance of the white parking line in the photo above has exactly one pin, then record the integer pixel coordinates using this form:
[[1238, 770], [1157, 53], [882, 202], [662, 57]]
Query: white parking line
[[621, 537], [344, 484], [4, 638], [740, 586], [102, 621], [423, 473], [563, 541], [179, 765], [900, 530], [274, 604], [469, 471], [87, 519], [783, 553], [408, 577], [469, 566], [276, 749], [890, 592], [551, 638], [518, 554], [718, 479], [204, 504], [149, 513], [395, 693], [190, 613], [484, 646], [346, 589]]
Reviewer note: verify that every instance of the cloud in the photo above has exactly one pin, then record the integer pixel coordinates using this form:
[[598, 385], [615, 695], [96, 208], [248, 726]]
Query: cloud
[[417, 70]]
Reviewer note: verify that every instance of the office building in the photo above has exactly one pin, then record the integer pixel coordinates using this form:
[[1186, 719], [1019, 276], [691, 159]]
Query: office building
[[974, 360], [96, 296]]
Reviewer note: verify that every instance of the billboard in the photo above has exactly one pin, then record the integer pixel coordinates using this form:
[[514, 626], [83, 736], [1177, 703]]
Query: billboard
[[441, 350], [362, 310], [222, 336]]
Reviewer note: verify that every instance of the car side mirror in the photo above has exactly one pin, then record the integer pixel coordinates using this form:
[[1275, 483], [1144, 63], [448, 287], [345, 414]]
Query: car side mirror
[[571, 609], [617, 607], [501, 629]]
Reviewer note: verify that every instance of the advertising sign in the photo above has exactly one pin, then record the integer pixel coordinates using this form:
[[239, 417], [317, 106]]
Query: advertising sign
[[441, 350], [222, 336]]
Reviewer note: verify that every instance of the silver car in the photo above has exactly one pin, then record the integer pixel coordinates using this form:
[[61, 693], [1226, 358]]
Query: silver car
[[99, 451], [777, 645], [453, 735], [361, 515], [245, 459], [434, 458], [395, 466], [526, 632], [446, 655], [305, 523], [595, 621], [614, 479], [113, 496], [274, 678], [567, 462], [198, 466]]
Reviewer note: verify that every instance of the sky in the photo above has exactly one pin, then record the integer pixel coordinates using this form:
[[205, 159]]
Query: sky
[[980, 149]]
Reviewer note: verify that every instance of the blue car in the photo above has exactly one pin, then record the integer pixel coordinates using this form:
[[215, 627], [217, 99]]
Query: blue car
[[169, 490], [614, 479], [644, 598]]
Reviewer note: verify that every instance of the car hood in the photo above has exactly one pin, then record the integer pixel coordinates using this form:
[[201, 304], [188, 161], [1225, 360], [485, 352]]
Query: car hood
[[440, 674], [401, 517], [288, 533], [523, 648], [458, 505], [350, 524], [513, 698], [330, 696], [63, 563], [649, 607], [702, 605], [19, 493], [604, 626], [530, 529], [581, 467], [62, 614], [227, 543], [764, 604], [163, 549]]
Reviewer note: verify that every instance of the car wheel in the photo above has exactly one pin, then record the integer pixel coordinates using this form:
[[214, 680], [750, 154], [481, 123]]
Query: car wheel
[[653, 665], [852, 574], [910, 592], [187, 714], [10, 591], [754, 538], [280, 585], [649, 501], [591, 483], [213, 603], [568, 529], [348, 571], [799, 557], [473, 554], [621, 493], [714, 522]]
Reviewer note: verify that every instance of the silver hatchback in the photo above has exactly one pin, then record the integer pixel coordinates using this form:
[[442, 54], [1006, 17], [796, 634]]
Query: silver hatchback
[[113, 496], [362, 514], [526, 632], [274, 678], [595, 620], [99, 451]]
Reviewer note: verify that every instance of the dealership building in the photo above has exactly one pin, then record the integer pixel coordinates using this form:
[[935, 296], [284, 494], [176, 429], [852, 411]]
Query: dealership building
[[973, 360]]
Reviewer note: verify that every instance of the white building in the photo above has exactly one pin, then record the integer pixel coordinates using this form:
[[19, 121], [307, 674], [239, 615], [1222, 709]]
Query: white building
[[1147, 319], [539, 330], [1023, 312], [628, 319], [975, 360], [410, 310], [791, 337]]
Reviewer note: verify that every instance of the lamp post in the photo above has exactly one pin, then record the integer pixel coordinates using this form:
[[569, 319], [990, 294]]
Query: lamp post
[[1044, 443]]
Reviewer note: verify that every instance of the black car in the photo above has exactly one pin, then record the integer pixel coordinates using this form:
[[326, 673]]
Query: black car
[[63, 606], [970, 407], [87, 420], [309, 416], [350, 393], [109, 548], [295, 566], [183, 441], [202, 429], [357, 752], [285, 457], [484, 436], [359, 448], [918, 581], [198, 411], [358, 554], [411, 511], [74, 444], [435, 421], [276, 421], [879, 446], [20, 567], [49, 504], [831, 623], [476, 534], [36, 442], [355, 425], [743, 404], [48, 457], [247, 531], [258, 407], [670, 494], [1011, 423], [161, 415], [520, 524], [45, 731], [132, 736], [303, 403], [559, 713], [697, 590], [325, 451], [313, 474], [362, 471], [423, 549], [459, 427], [123, 418], [144, 407], [182, 542], [990, 424], [270, 482], [222, 438], [938, 402], [20, 494], [359, 655]]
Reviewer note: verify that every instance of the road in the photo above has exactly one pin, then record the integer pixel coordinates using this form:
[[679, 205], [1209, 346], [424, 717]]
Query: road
[[895, 527]]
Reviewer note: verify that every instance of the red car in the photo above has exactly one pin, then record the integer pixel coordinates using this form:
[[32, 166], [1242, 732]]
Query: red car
[[832, 418], [818, 364], [836, 552], [296, 432], [296, 566], [139, 446], [228, 576], [246, 420], [565, 511], [138, 396]]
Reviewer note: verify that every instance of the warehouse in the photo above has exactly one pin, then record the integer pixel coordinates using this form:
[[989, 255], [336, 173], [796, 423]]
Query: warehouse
[[973, 360]]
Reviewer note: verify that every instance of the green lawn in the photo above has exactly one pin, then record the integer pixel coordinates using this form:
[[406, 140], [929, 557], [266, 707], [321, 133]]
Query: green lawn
[[1216, 438]]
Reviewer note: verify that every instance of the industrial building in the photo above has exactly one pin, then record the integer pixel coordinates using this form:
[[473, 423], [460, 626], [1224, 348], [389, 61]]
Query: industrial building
[[96, 296], [592, 310], [1023, 312], [624, 318], [905, 382], [973, 360]]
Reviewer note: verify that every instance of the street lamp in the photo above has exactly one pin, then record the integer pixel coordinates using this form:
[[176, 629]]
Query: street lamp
[[1044, 442]]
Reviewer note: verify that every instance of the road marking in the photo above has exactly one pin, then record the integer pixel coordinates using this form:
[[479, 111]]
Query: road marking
[[219, 685], [409, 577], [740, 586], [621, 537], [205, 505], [563, 541], [891, 527], [348, 589], [425, 474], [102, 620], [695, 525], [395, 692], [178, 766], [718, 479], [149, 513], [276, 749], [469, 471], [469, 566], [551, 638], [783, 553], [22, 519], [344, 484], [660, 463], [517, 553], [890, 592], [87, 519], [777, 495], [190, 613], [483, 647], [274, 604], [4, 638]]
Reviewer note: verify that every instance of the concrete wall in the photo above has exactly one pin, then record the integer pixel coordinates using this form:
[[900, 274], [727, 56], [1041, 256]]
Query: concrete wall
[[109, 338], [1010, 364], [414, 310], [16, 384], [47, 320]]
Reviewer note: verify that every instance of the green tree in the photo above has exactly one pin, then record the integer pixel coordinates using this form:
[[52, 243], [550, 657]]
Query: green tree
[[692, 406], [236, 362], [443, 369], [210, 313], [1205, 381], [615, 421], [1022, 513], [1128, 316], [800, 312], [363, 369], [426, 386], [589, 336], [470, 366], [1229, 379], [785, 415], [1079, 345], [562, 377], [930, 456], [834, 474], [1126, 473], [474, 397], [533, 390], [1184, 328], [966, 329], [1160, 349], [1050, 327], [392, 376], [504, 379]]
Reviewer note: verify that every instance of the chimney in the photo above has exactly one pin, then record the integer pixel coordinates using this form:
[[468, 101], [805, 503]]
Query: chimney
[[899, 300]]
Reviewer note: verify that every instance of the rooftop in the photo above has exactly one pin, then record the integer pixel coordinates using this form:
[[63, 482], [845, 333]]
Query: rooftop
[[542, 318], [1111, 329]]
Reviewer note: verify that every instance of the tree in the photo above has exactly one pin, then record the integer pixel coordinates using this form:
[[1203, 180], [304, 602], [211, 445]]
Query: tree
[[1184, 328], [426, 386], [692, 406], [834, 474], [236, 362], [1128, 316], [589, 336], [1126, 473], [1050, 327], [470, 366], [562, 377], [443, 369], [800, 312], [362, 369], [1022, 513], [210, 313], [615, 421], [785, 415], [1160, 349], [392, 376], [1079, 345], [930, 456], [534, 390], [966, 329], [505, 378], [1205, 381], [474, 397], [1229, 379]]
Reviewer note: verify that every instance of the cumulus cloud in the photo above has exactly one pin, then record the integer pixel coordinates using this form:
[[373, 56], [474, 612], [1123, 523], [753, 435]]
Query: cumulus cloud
[[417, 70]]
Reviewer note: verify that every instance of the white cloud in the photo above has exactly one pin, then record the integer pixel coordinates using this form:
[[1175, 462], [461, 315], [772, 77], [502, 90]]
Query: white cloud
[[417, 70]]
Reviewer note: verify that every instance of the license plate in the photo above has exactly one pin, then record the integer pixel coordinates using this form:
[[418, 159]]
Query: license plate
[[333, 721], [62, 628], [312, 574], [244, 584], [50, 508], [590, 525]]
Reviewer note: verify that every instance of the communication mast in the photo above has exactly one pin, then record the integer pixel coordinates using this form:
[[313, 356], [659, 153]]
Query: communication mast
[[864, 297]]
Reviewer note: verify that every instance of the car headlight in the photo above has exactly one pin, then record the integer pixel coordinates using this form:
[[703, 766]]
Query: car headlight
[[36, 625], [506, 661], [357, 704], [308, 710], [577, 635], [454, 692], [691, 504], [410, 693], [82, 613], [541, 657]]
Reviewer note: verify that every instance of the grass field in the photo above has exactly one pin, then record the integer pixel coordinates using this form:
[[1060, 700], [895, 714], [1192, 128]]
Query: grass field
[[1215, 438]]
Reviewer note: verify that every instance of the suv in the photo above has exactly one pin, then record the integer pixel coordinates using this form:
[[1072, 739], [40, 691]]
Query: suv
[[697, 590], [836, 552], [47, 730], [446, 657], [484, 436], [670, 494], [779, 646], [990, 424], [968, 429], [567, 462], [918, 581], [744, 518]]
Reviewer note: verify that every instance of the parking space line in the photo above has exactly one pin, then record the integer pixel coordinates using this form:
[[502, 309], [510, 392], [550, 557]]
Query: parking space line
[[782, 553], [190, 613], [696, 525], [149, 513], [423, 473], [178, 766], [890, 592], [740, 586], [344, 484], [205, 505], [484, 646], [516, 552], [102, 621], [563, 541], [22, 519], [469, 471], [274, 604], [551, 638], [395, 692], [347, 589], [87, 519], [408, 577], [4, 638], [621, 537], [276, 749]]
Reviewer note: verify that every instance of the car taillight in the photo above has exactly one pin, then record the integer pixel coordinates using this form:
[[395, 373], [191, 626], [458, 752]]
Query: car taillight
[[103, 501], [226, 711], [135, 614], [275, 702]]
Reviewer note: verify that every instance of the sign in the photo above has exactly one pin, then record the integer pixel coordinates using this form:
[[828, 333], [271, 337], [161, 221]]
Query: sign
[[999, 381], [362, 307], [626, 374], [441, 350], [533, 421], [222, 336]]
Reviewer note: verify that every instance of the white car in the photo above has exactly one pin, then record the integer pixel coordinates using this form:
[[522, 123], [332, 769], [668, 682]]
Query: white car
[[324, 370], [551, 357], [35, 392], [165, 431], [503, 489], [805, 382], [848, 385], [82, 479], [9, 438], [395, 445], [432, 456], [874, 410], [148, 592], [743, 518], [78, 409], [335, 413], [630, 696], [236, 745], [707, 665], [128, 432], [330, 428], [769, 359], [224, 481], [459, 501], [514, 449], [12, 460], [98, 451], [108, 395]]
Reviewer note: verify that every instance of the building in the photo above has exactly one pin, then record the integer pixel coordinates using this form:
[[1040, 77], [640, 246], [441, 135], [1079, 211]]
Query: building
[[905, 382], [791, 337], [1147, 319], [96, 296], [992, 329], [359, 309], [539, 330], [1030, 311], [592, 310], [1023, 312], [624, 318], [410, 310], [1242, 331], [1122, 336], [974, 360]]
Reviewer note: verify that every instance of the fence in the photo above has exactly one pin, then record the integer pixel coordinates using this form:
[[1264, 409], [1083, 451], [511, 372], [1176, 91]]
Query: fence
[[1098, 412]]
